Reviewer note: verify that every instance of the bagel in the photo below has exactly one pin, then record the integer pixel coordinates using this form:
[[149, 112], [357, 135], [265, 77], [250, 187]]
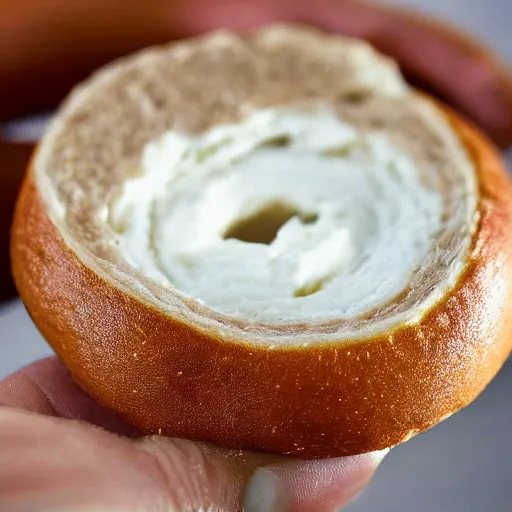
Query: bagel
[[268, 241]]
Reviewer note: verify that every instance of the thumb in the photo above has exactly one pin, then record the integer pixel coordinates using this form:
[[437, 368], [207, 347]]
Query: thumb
[[50, 464], [207, 478]]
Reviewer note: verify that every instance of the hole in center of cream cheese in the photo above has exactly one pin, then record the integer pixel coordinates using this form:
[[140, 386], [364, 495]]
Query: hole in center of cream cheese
[[262, 226]]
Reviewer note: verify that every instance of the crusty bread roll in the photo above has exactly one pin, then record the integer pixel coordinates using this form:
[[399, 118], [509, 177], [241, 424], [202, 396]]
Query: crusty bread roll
[[268, 241]]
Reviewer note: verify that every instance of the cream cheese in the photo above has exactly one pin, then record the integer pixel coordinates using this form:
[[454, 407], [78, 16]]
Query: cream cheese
[[357, 217]]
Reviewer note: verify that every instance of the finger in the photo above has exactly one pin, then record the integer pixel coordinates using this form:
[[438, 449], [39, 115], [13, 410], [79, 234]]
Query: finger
[[262, 483], [53, 465], [46, 387]]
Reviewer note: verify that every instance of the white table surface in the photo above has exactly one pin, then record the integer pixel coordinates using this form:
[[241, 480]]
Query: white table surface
[[463, 465]]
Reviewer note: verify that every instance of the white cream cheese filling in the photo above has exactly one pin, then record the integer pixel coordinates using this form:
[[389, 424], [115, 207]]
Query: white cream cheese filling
[[290, 215]]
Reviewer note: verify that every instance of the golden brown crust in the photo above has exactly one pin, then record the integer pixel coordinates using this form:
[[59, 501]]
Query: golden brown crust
[[328, 400]]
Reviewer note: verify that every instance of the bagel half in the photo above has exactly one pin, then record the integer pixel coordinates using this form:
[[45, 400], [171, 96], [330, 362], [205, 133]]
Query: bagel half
[[179, 242]]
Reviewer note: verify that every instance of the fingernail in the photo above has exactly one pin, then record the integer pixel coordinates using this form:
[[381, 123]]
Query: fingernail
[[264, 494]]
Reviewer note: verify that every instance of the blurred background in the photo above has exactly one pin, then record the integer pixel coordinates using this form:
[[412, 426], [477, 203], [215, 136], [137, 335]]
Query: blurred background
[[463, 465]]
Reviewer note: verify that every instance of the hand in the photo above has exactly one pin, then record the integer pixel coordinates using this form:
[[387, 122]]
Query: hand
[[54, 458]]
